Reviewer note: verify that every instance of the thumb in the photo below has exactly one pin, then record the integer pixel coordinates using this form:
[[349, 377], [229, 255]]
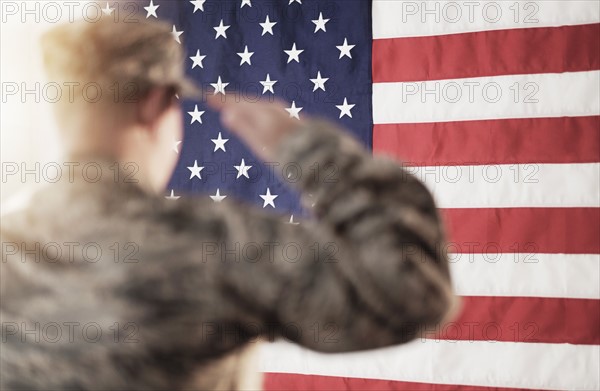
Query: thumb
[[238, 120]]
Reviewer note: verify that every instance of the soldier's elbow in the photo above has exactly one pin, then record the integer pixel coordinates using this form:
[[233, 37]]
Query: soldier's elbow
[[446, 309]]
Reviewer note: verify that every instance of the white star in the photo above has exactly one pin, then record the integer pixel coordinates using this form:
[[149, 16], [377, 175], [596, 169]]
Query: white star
[[195, 170], [242, 169], [172, 196], [267, 26], [293, 53], [107, 10], [294, 111], [345, 49], [219, 143], [292, 221], [221, 30], [219, 86], [176, 34], [176, 145], [319, 82], [198, 5], [268, 84], [218, 197], [269, 198], [345, 109], [246, 56], [320, 23], [196, 115], [297, 1], [197, 59], [151, 9], [246, 2]]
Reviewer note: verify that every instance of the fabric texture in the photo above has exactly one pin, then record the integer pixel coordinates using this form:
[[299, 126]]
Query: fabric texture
[[198, 285]]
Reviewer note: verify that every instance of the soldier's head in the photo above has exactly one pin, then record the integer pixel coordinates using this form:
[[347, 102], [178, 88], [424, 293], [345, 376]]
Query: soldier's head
[[120, 80]]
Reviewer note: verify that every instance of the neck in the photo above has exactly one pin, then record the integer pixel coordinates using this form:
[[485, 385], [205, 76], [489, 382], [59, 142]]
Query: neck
[[92, 164]]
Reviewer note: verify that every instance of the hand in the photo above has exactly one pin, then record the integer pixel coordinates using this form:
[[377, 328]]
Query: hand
[[261, 125]]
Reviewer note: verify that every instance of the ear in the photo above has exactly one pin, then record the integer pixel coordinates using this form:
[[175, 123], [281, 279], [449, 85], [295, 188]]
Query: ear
[[153, 105]]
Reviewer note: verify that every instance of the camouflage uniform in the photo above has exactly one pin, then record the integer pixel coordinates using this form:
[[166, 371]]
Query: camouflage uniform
[[206, 282]]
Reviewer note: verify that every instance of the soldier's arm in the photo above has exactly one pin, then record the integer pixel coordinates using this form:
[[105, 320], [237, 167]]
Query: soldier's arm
[[370, 271]]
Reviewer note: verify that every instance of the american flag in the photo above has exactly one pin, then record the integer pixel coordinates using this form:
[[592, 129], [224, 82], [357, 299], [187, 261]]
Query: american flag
[[495, 105]]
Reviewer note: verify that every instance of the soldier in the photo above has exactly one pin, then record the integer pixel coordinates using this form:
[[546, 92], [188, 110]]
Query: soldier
[[106, 285]]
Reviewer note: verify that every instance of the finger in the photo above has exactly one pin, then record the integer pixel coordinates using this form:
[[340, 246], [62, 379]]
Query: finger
[[218, 101], [239, 120]]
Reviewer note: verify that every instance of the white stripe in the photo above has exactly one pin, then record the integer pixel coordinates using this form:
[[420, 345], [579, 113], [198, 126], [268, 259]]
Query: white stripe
[[478, 363], [514, 185], [575, 276], [495, 97], [397, 19]]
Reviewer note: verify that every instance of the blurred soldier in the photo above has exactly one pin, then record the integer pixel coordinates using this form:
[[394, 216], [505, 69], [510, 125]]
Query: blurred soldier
[[107, 285]]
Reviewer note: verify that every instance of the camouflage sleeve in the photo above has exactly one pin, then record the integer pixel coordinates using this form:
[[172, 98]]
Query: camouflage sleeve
[[369, 271]]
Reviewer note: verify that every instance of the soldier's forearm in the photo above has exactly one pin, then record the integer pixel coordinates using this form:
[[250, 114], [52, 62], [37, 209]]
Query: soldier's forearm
[[385, 215]]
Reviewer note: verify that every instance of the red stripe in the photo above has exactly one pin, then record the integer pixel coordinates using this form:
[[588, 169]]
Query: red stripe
[[524, 319], [487, 53], [293, 382], [523, 230], [508, 319], [510, 141]]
